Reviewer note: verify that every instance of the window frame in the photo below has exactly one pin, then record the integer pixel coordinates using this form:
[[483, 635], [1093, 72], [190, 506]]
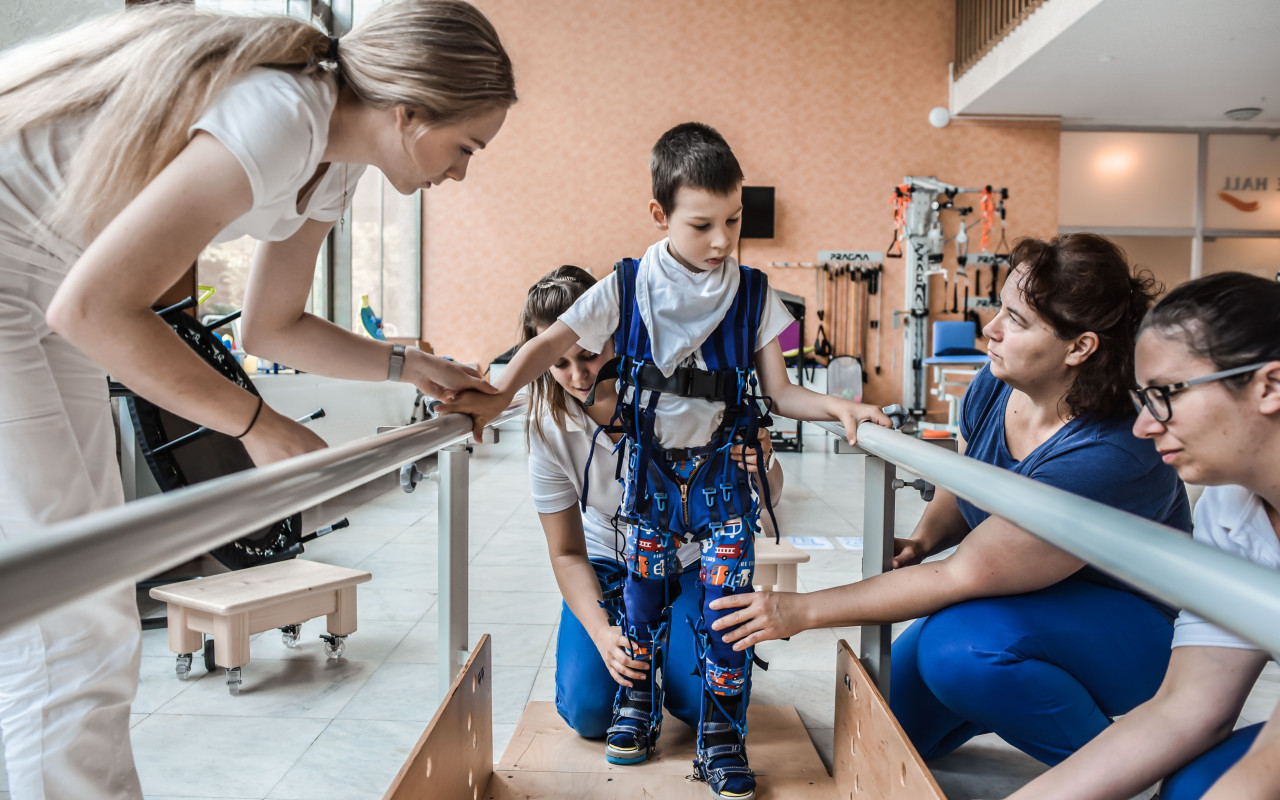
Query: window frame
[[1198, 233], [332, 297]]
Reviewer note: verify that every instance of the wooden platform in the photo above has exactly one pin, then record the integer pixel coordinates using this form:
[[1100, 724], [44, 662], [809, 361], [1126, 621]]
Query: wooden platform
[[547, 761], [545, 752]]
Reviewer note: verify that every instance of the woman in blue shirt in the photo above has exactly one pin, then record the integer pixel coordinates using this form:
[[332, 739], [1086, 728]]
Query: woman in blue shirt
[[1012, 635]]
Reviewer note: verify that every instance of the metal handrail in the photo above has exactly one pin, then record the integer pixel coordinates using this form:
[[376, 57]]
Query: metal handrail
[[1229, 591], [81, 556]]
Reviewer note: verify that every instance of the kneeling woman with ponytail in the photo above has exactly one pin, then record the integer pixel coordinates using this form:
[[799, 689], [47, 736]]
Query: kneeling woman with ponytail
[[585, 545], [126, 146]]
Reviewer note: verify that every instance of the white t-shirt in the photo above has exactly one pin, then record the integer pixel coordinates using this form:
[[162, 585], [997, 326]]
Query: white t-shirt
[[680, 421], [276, 123], [1232, 519], [556, 467]]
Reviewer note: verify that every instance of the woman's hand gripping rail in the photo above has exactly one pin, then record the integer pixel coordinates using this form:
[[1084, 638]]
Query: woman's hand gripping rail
[[532, 360]]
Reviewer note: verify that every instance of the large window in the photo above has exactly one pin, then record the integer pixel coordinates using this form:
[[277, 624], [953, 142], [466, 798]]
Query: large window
[[376, 251], [386, 255], [1182, 203], [1125, 179]]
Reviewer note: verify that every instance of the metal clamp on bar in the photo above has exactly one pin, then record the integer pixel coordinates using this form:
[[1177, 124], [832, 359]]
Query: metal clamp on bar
[[925, 488], [409, 477]]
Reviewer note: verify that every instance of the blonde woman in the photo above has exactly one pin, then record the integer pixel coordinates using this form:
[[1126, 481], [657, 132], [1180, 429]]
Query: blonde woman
[[126, 146]]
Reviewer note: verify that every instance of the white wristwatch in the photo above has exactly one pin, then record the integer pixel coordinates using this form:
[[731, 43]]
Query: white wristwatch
[[396, 365]]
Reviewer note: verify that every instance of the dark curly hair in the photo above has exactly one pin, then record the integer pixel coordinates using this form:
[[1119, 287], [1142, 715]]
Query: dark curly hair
[[1229, 319], [1081, 282]]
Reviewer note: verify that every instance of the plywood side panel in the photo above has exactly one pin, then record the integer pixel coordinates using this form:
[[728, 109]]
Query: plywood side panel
[[873, 757], [454, 758]]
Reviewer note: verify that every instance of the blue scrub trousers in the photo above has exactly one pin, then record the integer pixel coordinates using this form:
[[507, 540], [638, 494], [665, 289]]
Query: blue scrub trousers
[[585, 690], [1193, 780], [1046, 671]]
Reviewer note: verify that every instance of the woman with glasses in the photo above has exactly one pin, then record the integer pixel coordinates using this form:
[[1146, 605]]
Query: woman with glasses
[[1208, 362], [1012, 635]]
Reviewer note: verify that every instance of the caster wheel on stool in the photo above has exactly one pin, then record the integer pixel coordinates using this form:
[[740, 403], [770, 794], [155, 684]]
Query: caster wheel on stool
[[334, 645], [233, 680], [209, 664], [183, 667], [289, 635]]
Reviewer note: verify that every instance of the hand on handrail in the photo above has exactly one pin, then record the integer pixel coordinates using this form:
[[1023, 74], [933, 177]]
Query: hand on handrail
[[440, 377], [483, 408]]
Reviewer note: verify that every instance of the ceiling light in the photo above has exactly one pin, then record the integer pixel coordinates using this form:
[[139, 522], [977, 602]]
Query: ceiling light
[[1243, 114]]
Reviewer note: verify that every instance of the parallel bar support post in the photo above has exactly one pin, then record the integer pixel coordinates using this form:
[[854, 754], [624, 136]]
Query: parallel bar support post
[[877, 558], [451, 604]]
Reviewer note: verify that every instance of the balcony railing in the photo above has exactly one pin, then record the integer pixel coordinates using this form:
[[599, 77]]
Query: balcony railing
[[981, 24]]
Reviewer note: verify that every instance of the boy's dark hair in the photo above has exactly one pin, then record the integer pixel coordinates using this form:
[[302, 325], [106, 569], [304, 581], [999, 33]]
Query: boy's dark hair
[[1228, 319], [692, 154], [1081, 282]]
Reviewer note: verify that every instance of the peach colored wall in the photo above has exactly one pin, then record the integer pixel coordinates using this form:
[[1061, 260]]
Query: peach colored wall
[[827, 100]]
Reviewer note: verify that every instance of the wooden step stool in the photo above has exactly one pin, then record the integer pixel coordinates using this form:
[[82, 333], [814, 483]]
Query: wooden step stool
[[776, 565], [235, 605]]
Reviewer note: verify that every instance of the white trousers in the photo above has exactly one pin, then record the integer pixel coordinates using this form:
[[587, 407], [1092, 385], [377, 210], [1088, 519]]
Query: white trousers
[[67, 679]]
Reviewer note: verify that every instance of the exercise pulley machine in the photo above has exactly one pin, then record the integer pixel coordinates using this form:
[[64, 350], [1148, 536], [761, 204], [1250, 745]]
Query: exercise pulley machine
[[918, 240], [845, 281]]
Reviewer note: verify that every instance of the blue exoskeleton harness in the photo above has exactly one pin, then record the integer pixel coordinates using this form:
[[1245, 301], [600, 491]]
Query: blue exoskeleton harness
[[718, 491], [688, 494]]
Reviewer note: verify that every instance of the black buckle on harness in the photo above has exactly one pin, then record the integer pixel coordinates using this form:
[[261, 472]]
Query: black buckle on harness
[[706, 384], [684, 382]]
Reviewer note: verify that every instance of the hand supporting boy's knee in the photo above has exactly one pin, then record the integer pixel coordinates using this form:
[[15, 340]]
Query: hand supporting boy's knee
[[758, 617], [615, 650]]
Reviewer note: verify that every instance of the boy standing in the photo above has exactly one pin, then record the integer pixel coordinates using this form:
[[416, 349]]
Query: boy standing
[[693, 331]]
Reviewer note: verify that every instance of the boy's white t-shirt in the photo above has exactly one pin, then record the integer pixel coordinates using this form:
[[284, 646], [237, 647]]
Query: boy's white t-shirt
[[680, 421], [1231, 519], [556, 468], [276, 124]]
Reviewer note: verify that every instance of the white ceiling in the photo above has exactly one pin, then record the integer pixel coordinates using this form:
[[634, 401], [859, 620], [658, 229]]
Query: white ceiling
[[1136, 62]]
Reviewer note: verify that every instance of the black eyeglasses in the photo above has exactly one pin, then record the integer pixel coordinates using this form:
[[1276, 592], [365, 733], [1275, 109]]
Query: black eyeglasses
[[1156, 399]]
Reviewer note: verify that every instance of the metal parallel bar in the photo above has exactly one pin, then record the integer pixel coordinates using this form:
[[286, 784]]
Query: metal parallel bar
[[81, 556], [877, 557], [452, 513], [1231, 592]]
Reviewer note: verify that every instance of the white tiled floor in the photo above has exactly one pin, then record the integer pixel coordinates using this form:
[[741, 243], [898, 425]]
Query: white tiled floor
[[307, 728]]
